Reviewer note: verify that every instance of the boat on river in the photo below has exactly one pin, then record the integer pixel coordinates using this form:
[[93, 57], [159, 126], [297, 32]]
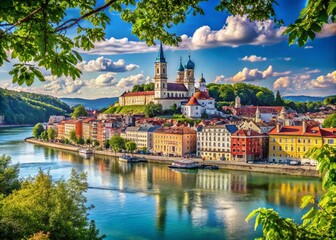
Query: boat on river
[[184, 164], [85, 151], [131, 159]]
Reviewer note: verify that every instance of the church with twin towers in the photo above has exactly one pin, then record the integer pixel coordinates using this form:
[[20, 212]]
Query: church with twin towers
[[180, 92]]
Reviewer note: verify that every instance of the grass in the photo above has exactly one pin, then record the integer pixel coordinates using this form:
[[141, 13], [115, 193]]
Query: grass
[[135, 109]]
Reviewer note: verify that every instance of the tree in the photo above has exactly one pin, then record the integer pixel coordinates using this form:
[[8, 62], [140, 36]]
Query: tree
[[80, 141], [79, 111], [66, 141], [173, 108], [117, 143], [72, 136], [320, 221], [42, 204], [37, 130], [44, 136], [330, 100], [96, 143], [88, 141], [278, 100], [107, 144], [152, 109], [52, 134], [9, 175], [130, 146], [330, 121], [36, 33]]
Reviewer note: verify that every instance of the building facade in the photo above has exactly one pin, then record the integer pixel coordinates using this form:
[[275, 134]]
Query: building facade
[[248, 145], [142, 136], [214, 142], [174, 141], [70, 125]]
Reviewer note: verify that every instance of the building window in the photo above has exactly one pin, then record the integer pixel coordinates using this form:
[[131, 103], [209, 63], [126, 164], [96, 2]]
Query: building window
[[157, 71]]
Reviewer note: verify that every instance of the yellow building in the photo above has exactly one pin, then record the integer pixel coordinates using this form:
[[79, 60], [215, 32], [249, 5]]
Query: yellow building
[[175, 141], [136, 98], [329, 136], [292, 142]]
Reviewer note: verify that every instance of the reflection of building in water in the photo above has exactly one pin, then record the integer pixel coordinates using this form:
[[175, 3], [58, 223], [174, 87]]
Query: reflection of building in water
[[221, 181], [290, 193], [161, 211], [162, 175]]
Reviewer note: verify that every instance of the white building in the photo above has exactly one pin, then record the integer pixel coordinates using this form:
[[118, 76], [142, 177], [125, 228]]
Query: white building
[[214, 142], [200, 103], [142, 136]]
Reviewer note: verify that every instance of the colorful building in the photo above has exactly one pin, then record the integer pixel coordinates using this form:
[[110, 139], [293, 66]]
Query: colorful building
[[70, 125], [292, 142], [175, 141], [60, 130], [329, 136], [142, 136], [248, 145], [214, 142], [90, 128]]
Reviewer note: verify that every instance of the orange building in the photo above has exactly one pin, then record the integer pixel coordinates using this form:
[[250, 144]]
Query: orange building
[[174, 141], [70, 125], [60, 130]]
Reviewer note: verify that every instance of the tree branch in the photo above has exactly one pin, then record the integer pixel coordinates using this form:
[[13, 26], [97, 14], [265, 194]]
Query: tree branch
[[74, 21]]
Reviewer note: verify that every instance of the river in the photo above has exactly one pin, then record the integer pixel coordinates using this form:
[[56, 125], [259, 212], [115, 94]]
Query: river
[[151, 201]]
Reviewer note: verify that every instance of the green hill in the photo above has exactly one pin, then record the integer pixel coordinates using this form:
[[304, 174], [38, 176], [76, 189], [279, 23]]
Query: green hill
[[29, 108], [135, 109]]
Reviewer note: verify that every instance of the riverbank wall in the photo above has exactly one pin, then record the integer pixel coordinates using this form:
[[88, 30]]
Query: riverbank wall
[[308, 171]]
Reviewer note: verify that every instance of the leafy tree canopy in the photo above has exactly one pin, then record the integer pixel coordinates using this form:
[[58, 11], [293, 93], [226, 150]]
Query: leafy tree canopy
[[330, 100], [320, 221], [52, 133], [79, 111], [54, 207], [330, 121], [38, 129], [35, 31], [152, 110], [117, 143], [130, 146], [9, 175], [143, 87], [72, 135]]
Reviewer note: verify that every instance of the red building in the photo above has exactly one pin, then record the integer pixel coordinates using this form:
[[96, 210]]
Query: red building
[[248, 145]]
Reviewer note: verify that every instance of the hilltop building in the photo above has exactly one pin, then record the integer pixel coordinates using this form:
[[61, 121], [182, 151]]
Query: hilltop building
[[165, 93]]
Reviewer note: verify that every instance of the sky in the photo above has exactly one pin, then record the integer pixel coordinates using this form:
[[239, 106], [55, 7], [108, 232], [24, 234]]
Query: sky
[[226, 49]]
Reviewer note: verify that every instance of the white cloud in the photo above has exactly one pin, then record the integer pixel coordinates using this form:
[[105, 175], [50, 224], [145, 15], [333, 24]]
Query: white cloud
[[220, 79], [281, 74], [252, 74], [327, 30], [287, 58], [304, 82], [103, 80], [237, 31], [308, 47], [63, 85], [313, 71], [106, 64], [133, 80], [253, 58]]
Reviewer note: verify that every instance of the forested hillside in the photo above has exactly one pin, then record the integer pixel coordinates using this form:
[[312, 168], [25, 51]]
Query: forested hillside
[[29, 108]]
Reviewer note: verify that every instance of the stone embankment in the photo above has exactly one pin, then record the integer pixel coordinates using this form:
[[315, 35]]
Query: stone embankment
[[309, 171]]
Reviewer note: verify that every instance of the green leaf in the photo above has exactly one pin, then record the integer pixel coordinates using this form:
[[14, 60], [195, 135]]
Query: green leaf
[[311, 213], [78, 56], [306, 200]]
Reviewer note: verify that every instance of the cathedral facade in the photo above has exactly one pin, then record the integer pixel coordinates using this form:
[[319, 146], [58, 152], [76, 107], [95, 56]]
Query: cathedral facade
[[165, 93]]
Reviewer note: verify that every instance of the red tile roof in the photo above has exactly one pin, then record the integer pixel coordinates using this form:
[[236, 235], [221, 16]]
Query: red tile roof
[[179, 87], [192, 102], [297, 131], [247, 133], [202, 95], [328, 132], [249, 111], [87, 120], [133, 94]]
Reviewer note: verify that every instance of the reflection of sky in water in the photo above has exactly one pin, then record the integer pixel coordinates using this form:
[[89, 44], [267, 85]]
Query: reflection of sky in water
[[149, 201]]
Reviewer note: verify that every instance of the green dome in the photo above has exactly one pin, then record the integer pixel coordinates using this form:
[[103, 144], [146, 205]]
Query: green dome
[[190, 64], [180, 68]]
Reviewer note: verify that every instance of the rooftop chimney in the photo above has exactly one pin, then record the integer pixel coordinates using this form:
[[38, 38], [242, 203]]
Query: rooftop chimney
[[304, 126]]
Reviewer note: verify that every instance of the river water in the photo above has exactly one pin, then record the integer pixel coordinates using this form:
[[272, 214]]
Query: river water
[[151, 201]]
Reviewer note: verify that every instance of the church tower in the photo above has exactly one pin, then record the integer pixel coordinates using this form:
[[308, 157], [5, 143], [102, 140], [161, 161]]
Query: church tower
[[237, 102], [160, 75], [189, 79], [257, 115], [202, 84], [180, 72]]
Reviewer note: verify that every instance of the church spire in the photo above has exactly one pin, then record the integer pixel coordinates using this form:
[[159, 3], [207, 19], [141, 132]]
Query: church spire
[[160, 57]]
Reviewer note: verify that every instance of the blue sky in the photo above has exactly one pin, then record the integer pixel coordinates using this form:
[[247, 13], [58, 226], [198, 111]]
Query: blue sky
[[225, 49]]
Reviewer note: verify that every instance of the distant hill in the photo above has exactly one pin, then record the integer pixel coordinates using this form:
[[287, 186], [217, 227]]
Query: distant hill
[[98, 103], [29, 108], [303, 98]]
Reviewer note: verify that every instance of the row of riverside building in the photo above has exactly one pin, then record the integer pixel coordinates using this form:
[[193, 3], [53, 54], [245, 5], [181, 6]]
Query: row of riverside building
[[240, 142]]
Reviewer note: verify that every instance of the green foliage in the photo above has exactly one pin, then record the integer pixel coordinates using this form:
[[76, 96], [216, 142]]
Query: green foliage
[[278, 100], [135, 109], [320, 221], [330, 121], [79, 111], [88, 141], [249, 94], [117, 143], [66, 141], [96, 143], [29, 108], [38, 129], [311, 20], [44, 136], [52, 134], [107, 144], [330, 100], [130, 146], [42, 204], [143, 87], [152, 110], [80, 141], [72, 135], [9, 175]]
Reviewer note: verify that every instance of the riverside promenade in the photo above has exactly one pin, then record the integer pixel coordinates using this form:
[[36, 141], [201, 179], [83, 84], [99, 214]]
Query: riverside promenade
[[309, 171]]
